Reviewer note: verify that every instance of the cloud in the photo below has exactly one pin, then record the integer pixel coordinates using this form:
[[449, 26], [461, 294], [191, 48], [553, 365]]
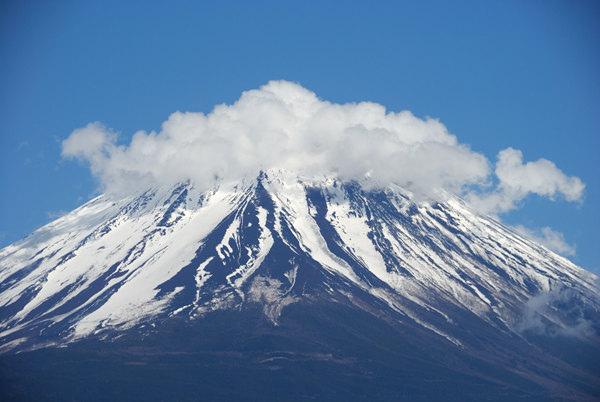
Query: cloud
[[56, 214], [94, 144], [517, 180], [552, 239], [283, 125], [560, 312]]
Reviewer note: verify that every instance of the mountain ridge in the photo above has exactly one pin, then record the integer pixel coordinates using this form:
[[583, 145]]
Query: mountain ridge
[[119, 269]]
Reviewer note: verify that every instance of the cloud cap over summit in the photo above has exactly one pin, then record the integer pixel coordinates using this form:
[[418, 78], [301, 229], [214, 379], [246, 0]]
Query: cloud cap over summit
[[283, 125]]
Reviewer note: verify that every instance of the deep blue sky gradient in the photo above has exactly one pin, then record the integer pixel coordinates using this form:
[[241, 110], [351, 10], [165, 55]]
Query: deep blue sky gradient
[[496, 73]]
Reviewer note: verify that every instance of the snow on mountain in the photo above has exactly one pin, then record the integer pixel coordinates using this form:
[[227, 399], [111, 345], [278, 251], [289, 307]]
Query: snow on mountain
[[276, 240]]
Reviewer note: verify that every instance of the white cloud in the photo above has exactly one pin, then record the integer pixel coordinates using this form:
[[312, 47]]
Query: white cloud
[[94, 144], [56, 214], [517, 180], [558, 312], [552, 239], [283, 125]]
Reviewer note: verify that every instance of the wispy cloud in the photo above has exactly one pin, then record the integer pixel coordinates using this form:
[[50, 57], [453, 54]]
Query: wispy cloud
[[561, 312], [55, 214], [552, 239]]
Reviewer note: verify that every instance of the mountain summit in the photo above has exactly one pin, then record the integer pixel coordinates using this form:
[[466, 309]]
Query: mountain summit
[[321, 277]]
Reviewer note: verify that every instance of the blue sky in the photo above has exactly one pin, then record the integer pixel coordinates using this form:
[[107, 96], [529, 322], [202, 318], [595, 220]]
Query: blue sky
[[498, 74]]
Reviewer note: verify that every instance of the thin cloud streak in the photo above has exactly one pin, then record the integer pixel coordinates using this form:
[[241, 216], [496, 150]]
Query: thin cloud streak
[[552, 239]]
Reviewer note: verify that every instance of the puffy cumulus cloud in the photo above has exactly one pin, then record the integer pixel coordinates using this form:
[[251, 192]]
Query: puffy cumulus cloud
[[552, 239], [517, 180], [283, 125], [92, 143]]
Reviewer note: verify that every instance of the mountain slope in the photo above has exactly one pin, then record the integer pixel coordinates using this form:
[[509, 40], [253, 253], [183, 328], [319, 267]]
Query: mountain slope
[[328, 264]]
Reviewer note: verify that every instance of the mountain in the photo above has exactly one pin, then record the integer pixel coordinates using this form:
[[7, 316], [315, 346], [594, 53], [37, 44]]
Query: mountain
[[283, 287]]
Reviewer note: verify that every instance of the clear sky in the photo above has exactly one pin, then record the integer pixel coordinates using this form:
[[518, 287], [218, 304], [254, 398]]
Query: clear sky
[[497, 74]]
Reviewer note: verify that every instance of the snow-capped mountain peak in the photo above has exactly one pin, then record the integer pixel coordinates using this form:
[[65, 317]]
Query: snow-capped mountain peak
[[181, 252]]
